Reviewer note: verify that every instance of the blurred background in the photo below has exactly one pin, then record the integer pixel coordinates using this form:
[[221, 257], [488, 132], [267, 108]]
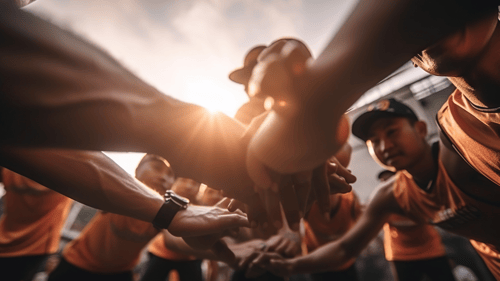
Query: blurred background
[[186, 49]]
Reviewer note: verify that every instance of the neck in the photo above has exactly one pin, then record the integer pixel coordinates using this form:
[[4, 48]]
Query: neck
[[424, 170], [481, 82]]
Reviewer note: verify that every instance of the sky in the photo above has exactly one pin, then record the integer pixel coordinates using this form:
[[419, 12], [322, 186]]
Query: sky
[[186, 49]]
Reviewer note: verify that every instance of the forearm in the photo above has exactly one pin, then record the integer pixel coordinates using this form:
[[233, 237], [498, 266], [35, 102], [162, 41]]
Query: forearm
[[378, 37], [88, 177], [63, 92], [326, 258]]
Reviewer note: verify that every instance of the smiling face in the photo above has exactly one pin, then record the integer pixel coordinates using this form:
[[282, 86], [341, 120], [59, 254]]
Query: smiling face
[[397, 142], [455, 54], [156, 174]]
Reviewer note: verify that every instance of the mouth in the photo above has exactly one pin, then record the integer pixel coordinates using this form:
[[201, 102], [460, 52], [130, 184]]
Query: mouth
[[390, 158]]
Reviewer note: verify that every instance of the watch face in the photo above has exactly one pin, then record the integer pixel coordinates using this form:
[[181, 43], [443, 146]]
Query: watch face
[[178, 199]]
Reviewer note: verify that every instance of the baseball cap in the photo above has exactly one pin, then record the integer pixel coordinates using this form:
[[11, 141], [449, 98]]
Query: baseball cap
[[242, 74], [384, 108]]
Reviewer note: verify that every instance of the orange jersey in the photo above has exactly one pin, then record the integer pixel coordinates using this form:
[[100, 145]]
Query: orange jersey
[[33, 217], [319, 231], [157, 248], [110, 243], [474, 133], [405, 240], [446, 206]]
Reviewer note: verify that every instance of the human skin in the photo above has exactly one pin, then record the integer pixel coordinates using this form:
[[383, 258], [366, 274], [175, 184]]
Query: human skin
[[317, 97]]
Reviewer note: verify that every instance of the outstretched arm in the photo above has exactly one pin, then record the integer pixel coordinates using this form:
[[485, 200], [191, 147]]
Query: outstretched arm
[[59, 91], [378, 37], [335, 254], [95, 180]]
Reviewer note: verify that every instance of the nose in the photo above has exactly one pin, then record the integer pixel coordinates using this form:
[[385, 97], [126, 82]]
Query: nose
[[385, 145]]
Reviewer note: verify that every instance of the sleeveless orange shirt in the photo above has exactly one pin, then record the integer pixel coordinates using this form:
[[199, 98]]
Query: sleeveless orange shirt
[[446, 206], [474, 133], [319, 231], [157, 248], [33, 217], [405, 240], [110, 243]]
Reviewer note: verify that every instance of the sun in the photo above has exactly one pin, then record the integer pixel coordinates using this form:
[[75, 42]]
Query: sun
[[214, 96]]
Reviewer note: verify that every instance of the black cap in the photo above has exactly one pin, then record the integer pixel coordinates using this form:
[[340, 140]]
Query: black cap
[[384, 108], [242, 74]]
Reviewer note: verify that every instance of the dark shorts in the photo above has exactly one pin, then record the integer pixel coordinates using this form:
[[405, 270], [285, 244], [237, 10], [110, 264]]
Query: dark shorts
[[349, 274], [21, 268], [66, 271], [157, 269], [435, 269]]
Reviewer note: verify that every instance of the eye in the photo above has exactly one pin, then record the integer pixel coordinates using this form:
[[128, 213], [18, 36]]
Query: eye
[[391, 131]]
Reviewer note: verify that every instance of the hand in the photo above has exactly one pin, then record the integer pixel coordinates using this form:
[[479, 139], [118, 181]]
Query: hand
[[296, 136], [274, 263], [287, 243], [199, 221], [246, 252]]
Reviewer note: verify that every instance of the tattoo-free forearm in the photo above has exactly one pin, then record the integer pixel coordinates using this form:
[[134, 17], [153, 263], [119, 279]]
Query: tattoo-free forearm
[[85, 176]]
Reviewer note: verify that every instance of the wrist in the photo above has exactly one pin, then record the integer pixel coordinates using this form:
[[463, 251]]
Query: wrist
[[169, 209]]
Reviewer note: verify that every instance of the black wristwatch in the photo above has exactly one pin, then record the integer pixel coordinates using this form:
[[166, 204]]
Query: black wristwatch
[[173, 204]]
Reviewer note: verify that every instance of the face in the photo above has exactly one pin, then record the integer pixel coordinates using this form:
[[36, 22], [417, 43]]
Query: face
[[156, 174], [186, 188], [395, 143], [456, 53]]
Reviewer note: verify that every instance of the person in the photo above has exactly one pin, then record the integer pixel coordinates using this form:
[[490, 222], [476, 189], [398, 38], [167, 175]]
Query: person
[[376, 38], [421, 190], [42, 98], [162, 260], [320, 230], [110, 245], [30, 226], [257, 109], [412, 249], [274, 237]]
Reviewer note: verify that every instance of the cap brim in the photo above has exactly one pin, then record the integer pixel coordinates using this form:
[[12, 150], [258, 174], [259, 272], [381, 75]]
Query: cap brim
[[362, 124], [241, 75]]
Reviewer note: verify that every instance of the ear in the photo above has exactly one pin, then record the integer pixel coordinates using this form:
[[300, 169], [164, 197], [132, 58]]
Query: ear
[[421, 128]]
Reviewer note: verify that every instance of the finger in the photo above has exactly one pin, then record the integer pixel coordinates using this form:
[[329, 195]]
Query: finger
[[222, 251], [275, 48], [282, 247], [272, 243], [321, 188], [290, 203], [338, 184], [224, 203], [342, 171], [247, 260]]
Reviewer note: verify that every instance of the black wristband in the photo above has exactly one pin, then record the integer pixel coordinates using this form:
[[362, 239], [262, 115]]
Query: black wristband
[[166, 214]]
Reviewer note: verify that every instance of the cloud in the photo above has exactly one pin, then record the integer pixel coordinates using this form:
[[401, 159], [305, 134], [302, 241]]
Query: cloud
[[179, 48]]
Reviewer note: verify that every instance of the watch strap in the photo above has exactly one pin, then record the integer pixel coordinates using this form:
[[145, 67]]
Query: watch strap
[[166, 214]]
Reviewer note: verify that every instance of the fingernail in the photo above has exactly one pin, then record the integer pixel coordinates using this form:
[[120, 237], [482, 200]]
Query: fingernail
[[253, 224], [326, 215], [278, 224]]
